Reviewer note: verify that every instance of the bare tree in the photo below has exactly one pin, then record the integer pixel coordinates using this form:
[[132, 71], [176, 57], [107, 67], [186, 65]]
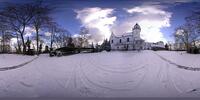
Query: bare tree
[[5, 39], [52, 28], [17, 17], [189, 33], [40, 18], [84, 36], [193, 27], [5, 35], [182, 35], [61, 37], [3, 28]]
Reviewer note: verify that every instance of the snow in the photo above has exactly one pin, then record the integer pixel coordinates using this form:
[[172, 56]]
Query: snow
[[105, 74], [182, 58], [7, 60]]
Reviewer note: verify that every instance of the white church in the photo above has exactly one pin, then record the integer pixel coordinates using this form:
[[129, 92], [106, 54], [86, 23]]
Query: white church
[[132, 41], [128, 41]]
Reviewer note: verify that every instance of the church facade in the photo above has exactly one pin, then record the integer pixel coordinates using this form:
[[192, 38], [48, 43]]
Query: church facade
[[128, 41]]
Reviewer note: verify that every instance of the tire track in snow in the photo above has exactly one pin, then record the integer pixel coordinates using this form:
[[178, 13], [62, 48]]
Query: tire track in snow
[[172, 81], [169, 79], [108, 65], [179, 66], [63, 85], [130, 69], [84, 90], [110, 88], [17, 66]]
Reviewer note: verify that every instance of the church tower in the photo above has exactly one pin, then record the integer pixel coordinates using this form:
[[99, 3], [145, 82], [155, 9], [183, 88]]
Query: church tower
[[136, 30]]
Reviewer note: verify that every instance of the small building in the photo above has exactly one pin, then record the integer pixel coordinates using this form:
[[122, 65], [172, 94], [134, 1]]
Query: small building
[[158, 46]]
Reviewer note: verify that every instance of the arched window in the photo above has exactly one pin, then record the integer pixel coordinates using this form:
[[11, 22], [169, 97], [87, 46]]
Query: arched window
[[111, 41], [120, 41], [127, 39]]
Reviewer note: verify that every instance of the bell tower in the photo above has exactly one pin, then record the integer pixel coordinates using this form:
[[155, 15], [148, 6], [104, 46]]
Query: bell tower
[[136, 30]]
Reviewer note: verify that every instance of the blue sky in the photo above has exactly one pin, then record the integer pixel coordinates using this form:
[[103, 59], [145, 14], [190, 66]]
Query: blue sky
[[157, 18]]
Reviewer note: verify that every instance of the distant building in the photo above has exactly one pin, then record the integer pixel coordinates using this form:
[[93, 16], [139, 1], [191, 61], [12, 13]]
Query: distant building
[[128, 41], [159, 44]]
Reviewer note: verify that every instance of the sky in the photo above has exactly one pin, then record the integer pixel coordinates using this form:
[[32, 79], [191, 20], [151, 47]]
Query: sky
[[157, 18]]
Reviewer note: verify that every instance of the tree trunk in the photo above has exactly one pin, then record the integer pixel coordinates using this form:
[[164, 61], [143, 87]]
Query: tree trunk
[[51, 46], [51, 42], [37, 39], [187, 41], [24, 46], [3, 42], [22, 37], [187, 46], [19, 48]]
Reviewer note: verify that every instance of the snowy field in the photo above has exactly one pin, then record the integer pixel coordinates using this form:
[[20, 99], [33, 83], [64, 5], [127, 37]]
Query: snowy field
[[105, 74]]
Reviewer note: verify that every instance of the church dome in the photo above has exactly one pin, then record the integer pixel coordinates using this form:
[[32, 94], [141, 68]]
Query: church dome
[[137, 26]]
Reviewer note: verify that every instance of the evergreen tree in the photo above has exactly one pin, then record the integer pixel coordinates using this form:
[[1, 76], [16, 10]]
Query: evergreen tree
[[106, 45], [40, 49], [28, 43], [166, 47], [46, 49], [70, 43]]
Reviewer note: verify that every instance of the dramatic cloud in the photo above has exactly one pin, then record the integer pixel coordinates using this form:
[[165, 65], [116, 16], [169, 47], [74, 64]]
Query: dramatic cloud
[[98, 20], [151, 19], [101, 22]]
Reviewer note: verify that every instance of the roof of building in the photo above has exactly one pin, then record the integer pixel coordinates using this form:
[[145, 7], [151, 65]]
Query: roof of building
[[136, 26]]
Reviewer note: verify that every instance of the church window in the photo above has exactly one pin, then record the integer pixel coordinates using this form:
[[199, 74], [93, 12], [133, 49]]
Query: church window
[[127, 39], [112, 41], [120, 41]]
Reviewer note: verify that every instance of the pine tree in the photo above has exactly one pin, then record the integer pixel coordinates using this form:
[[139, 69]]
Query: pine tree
[[166, 47]]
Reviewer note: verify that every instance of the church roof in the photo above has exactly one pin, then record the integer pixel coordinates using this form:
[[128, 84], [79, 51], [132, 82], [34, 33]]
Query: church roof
[[137, 26], [124, 34]]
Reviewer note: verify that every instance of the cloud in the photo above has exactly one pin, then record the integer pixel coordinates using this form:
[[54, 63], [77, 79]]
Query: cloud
[[98, 20], [145, 10], [29, 31], [151, 19], [47, 34]]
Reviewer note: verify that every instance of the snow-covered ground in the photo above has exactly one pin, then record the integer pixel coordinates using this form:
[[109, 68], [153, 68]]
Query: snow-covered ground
[[182, 58], [105, 74], [7, 60]]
